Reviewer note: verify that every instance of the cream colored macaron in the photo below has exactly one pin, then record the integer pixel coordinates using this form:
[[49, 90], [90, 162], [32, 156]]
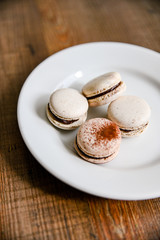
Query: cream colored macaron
[[67, 108], [131, 114], [98, 140], [104, 89]]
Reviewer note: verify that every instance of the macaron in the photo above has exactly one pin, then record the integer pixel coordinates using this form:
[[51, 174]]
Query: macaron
[[103, 89], [67, 108], [98, 140], [131, 114]]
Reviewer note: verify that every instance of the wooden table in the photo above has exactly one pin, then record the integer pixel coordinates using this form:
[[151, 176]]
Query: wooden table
[[34, 205]]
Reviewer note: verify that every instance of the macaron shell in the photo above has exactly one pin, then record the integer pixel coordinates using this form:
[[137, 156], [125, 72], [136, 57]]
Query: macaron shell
[[101, 84], [68, 103], [60, 125], [109, 97], [93, 160], [134, 133], [129, 112], [98, 137]]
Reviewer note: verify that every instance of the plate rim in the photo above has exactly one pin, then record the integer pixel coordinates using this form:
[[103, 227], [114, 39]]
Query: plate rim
[[26, 140]]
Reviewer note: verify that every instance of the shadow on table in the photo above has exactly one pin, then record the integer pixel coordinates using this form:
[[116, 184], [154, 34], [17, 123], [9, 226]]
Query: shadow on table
[[21, 165], [18, 165]]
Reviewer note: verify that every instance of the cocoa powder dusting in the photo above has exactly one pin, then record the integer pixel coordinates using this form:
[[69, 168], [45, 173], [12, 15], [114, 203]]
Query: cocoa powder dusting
[[107, 132]]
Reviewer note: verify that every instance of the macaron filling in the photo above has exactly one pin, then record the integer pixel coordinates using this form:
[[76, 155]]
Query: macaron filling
[[89, 156], [105, 92], [61, 120], [133, 130]]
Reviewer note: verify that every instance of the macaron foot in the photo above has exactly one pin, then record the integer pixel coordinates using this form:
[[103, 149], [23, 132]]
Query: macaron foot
[[108, 96], [92, 159], [62, 123], [133, 133]]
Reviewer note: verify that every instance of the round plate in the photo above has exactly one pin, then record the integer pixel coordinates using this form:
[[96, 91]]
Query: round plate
[[135, 173]]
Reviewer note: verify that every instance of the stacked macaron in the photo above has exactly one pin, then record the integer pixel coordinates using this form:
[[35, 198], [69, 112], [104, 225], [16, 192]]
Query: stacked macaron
[[98, 140]]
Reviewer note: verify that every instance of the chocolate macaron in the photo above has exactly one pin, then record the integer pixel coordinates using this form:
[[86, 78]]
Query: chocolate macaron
[[98, 140], [131, 114], [67, 108], [104, 89]]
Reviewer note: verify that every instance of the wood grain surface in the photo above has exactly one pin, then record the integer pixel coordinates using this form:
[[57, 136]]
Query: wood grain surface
[[34, 205]]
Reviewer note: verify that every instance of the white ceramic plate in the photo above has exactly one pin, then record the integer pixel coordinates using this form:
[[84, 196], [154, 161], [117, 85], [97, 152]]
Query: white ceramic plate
[[135, 173]]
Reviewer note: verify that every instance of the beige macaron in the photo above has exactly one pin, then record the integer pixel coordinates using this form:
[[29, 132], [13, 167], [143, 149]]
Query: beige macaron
[[131, 114], [98, 140], [67, 108], [103, 89]]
